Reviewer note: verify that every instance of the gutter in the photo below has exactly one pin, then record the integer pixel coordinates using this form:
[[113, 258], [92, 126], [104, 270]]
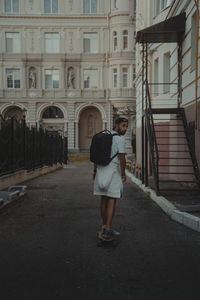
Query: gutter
[[197, 65]]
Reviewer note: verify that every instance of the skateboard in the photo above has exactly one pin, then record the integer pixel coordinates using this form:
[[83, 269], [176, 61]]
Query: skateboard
[[106, 242]]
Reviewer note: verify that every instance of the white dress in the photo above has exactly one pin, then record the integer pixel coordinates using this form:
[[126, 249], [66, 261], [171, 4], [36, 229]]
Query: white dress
[[108, 180]]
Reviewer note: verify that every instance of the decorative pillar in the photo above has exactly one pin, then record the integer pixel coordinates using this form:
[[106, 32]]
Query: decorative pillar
[[71, 128], [76, 136]]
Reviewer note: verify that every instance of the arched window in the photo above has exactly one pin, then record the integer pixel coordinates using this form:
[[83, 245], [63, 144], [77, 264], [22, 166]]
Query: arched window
[[52, 112], [13, 111], [114, 40], [125, 39]]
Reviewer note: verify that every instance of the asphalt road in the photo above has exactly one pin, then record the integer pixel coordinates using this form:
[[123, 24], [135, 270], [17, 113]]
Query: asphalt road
[[48, 246]]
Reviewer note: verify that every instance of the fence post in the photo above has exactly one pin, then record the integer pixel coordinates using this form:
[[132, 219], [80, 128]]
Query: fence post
[[12, 144]]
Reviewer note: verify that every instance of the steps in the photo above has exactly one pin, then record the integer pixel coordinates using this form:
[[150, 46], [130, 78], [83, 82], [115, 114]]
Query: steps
[[78, 158], [176, 166]]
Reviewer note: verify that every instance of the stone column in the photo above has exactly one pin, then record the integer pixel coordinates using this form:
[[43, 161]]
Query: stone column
[[71, 128], [1, 79], [62, 73], [76, 146], [40, 79], [32, 113]]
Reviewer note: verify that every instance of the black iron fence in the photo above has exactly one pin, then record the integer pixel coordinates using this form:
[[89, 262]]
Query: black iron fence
[[27, 148]]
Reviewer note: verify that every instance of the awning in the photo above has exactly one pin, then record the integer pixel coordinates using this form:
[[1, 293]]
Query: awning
[[169, 31]]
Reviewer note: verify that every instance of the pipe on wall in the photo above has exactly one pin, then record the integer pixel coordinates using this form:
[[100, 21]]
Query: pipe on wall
[[197, 65]]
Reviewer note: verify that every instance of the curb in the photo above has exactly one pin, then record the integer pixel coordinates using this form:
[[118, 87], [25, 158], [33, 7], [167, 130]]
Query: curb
[[171, 210]]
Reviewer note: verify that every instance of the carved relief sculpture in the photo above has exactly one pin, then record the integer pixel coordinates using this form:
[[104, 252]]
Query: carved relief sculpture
[[32, 78], [71, 78]]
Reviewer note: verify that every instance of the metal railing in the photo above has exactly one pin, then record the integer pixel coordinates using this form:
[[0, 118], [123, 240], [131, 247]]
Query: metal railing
[[154, 154], [27, 148]]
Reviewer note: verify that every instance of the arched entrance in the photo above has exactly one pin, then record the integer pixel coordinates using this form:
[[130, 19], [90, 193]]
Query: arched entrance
[[13, 111], [90, 122], [52, 120]]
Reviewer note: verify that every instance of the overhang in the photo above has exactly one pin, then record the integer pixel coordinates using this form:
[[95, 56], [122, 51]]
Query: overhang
[[169, 31]]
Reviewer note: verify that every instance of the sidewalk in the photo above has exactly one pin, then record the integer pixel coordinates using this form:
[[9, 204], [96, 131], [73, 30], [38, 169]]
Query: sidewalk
[[181, 205]]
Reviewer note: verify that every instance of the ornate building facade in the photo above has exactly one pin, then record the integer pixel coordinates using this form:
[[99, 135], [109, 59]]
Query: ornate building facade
[[68, 65]]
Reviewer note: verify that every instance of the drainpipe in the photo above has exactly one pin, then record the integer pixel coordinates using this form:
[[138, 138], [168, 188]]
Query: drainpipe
[[197, 65]]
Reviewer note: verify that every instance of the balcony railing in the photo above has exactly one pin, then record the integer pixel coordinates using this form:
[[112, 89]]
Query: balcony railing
[[67, 93]]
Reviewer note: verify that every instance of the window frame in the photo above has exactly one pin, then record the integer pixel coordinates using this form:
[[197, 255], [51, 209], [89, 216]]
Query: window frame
[[13, 42], [97, 77], [51, 7], [90, 7], [90, 39], [52, 81], [53, 40], [115, 4], [127, 76], [13, 78], [160, 5], [193, 42], [114, 78], [11, 11], [115, 38], [123, 39]]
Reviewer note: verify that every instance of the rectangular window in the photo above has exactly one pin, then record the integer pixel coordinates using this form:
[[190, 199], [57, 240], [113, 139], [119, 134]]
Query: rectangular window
[[114, 3], [12, 42], [51, 79], [90, 42], [193, 42], [134, 73], [50, 6], [125, 77], [157, 7], [134, 6], [125, 40], [90, 78], [115, 78], [51, 42], [90, 6], [166, 74], [13, 78], [163, 4], [156, 77], [114, 40], [160, 5], [11, 6]]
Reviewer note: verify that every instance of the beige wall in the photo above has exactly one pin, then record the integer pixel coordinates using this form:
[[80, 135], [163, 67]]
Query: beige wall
[[70, 23]]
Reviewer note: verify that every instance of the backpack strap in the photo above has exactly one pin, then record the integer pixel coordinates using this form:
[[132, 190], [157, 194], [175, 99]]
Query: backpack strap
[[113, 134]]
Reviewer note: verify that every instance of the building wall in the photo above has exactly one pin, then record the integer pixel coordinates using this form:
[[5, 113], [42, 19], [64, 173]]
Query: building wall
[[157, 51], [70, 23]]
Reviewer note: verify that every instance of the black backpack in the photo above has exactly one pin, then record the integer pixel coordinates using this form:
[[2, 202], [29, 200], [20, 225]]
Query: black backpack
[[100, 149]]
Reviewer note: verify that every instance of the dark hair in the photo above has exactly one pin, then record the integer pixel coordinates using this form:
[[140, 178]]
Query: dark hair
[[120, 120]]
